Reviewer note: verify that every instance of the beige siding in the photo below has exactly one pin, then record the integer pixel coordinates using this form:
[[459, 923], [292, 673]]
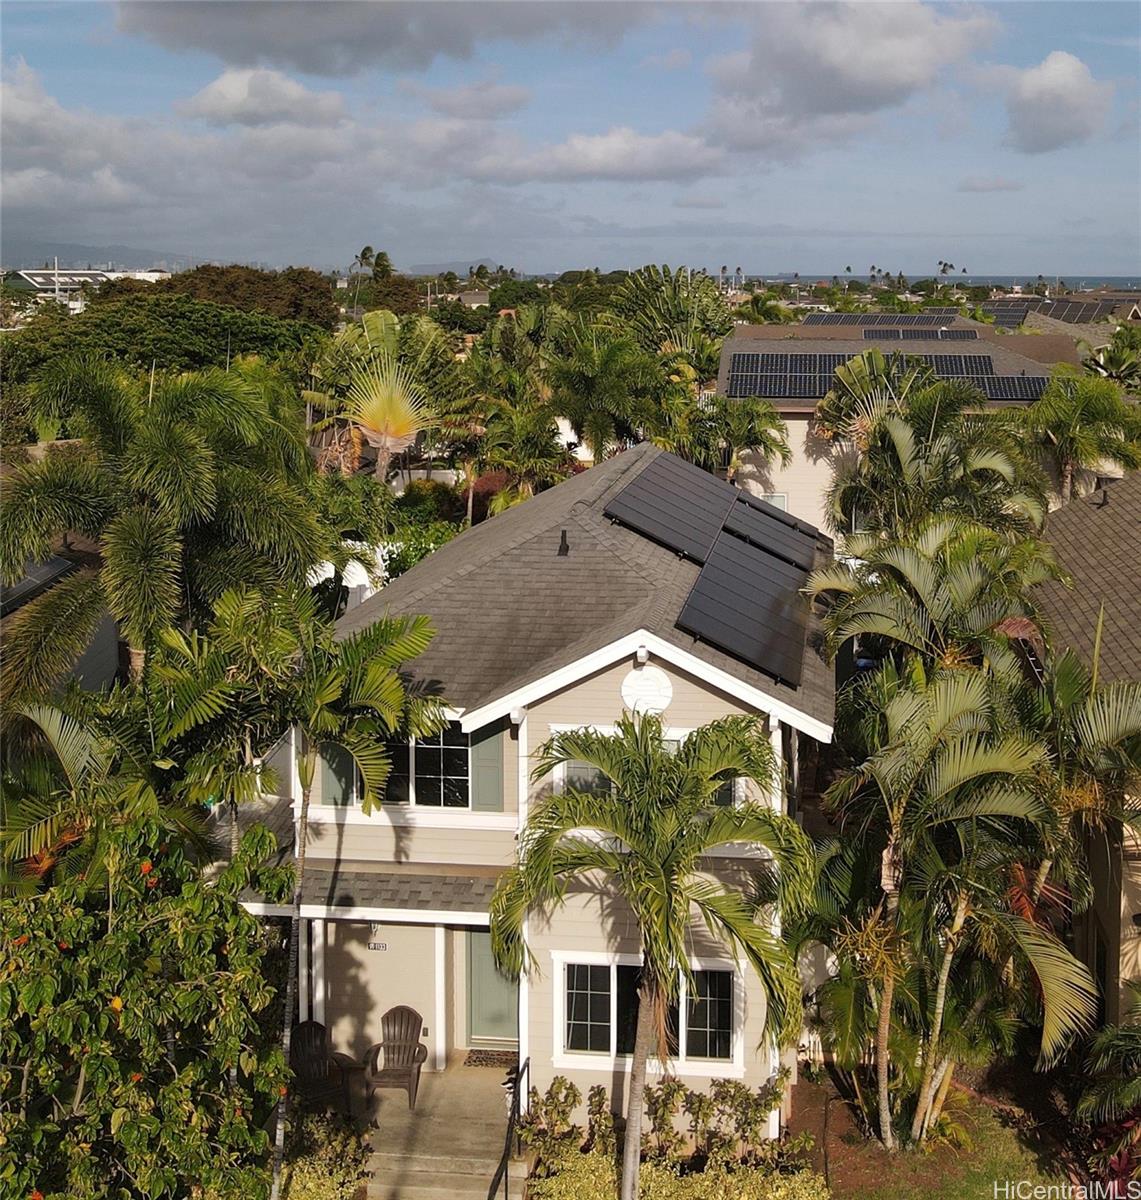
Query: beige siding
[[804, 481], [377, 839], [1130, 961], [362, 984], [592, 924]]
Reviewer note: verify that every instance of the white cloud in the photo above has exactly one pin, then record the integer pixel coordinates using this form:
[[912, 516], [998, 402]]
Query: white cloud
[[620, 153], [992, 183], [672, 60], [1057, 103], [819, 73], [483, 100], [263, 97], [335, 37]]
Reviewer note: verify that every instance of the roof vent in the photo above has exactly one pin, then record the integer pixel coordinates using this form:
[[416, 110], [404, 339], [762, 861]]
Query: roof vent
[[564, 545]]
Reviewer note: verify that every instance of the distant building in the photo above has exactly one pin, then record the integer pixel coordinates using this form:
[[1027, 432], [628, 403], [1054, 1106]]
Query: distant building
[[475, 299], [66, 287]]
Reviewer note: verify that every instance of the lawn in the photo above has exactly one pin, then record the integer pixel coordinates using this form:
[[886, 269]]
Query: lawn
[[1000, 1148]]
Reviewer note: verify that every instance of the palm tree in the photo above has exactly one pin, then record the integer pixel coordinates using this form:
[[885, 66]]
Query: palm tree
[[1119, 361], [921, 446], [650, 834], [943, 596], [346, 694], [185, 482], [941, 798], [656, 306], [1081, 423], [523, 442], [381, 266], [362, 262], [599, 386], [388, 406], [1113, 1094], [749, 425]]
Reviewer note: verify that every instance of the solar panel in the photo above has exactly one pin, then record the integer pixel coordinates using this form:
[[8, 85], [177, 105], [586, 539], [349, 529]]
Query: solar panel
[[1013, 387], [650, 505], [38, 578], [747, 602], [916, 335], [773, 530], [869, 320]]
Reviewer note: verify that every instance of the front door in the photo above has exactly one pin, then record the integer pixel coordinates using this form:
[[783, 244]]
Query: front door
[[493, 1000]]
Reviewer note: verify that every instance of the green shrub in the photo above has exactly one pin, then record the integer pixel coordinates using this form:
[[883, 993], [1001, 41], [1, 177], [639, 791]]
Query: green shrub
[[426, 500], [412, 543], [326, 1159], [593, 1177]]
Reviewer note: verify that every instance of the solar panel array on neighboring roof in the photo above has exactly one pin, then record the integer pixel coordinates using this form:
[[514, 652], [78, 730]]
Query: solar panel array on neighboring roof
[[1077, 312], [922, 334], [754, 560], [868, 319], [1012, 387], [38, 578]]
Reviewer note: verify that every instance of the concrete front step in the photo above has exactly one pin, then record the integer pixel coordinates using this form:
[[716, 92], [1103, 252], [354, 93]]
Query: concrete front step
[[436, 1177]]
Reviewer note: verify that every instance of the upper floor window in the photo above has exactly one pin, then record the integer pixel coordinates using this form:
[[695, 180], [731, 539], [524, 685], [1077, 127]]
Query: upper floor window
[[431, 772]]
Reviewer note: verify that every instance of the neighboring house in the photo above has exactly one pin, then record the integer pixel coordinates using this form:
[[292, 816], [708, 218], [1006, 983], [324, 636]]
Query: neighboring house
[[58, 284], [1098, 541], [475, 299], [793, 366], [643, 583]]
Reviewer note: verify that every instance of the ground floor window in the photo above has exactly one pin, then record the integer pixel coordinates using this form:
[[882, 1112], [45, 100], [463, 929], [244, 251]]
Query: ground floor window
[[601, 1012]]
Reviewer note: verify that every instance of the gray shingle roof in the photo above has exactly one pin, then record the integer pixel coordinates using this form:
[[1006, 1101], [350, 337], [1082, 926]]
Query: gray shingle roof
[[509, 610], [1098, 540], [358, 887]]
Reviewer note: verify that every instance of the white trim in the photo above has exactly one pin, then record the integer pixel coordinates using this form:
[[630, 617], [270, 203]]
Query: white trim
[[626, 647], [523, 1032], [303, 970], [776, 794], [318, 927], [426, 816], [523, 800], [396, 916], [577, 1060], [441, 1041]]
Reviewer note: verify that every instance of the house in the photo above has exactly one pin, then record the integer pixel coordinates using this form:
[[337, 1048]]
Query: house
[[475, 299], [643, 583], [793, 366], [1097, 539]]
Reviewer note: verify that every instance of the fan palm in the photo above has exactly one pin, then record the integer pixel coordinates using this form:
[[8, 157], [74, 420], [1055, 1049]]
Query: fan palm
[[650, 835], [388, 406], [350, 694], [185, 483], [1082, 422]]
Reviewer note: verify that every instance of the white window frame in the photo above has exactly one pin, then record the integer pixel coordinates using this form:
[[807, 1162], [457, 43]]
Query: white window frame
[[593, 1060], [390, 805], [771, 498]]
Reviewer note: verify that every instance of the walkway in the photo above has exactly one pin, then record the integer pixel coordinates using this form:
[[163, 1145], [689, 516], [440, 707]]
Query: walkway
[[449, 1146]]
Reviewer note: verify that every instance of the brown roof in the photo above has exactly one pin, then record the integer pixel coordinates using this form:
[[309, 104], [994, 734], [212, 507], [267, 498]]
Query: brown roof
[[509, 609], [1097, 539]]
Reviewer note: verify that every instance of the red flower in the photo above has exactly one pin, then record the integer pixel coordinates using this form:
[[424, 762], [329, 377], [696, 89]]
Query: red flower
[[65, 945], [147, 866], [36, 1194], [22, 940], [136, 1077], [153, 881]]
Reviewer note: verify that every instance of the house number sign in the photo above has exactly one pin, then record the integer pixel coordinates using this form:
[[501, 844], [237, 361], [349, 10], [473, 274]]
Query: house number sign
[[375, 933]]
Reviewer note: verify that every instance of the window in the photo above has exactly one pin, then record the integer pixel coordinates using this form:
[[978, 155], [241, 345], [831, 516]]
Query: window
[[776, 499], [582, 777], [431, 772], [588, 1008], [600, 1013]]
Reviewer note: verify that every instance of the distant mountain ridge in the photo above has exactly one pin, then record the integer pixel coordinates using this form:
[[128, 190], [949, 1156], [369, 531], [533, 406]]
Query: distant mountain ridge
[[21, 253]]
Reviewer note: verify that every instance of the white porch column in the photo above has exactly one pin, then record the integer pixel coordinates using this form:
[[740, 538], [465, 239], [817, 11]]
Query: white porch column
[[303, 970], [319, 931], [440, 1057], [524, 1010], [776, 797]]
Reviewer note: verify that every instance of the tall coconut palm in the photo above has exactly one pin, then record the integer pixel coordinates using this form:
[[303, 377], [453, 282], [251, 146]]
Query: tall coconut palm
[[945, 595], [362, 262], [346, 694], [649, 835], [1082, 422], [184, 481]]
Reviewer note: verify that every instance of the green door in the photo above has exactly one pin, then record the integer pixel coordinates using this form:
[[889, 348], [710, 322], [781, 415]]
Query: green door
[[493, 1001]]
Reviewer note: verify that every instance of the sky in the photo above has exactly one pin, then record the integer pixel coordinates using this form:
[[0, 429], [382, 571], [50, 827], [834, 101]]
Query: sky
[[549, 135]]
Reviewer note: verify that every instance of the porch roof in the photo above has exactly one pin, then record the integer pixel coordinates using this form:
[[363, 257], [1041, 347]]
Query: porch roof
[[355, 886]]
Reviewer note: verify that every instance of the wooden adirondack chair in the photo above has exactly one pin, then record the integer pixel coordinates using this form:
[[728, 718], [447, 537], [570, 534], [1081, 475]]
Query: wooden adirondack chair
[[395, 1061], [320, 1073]]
